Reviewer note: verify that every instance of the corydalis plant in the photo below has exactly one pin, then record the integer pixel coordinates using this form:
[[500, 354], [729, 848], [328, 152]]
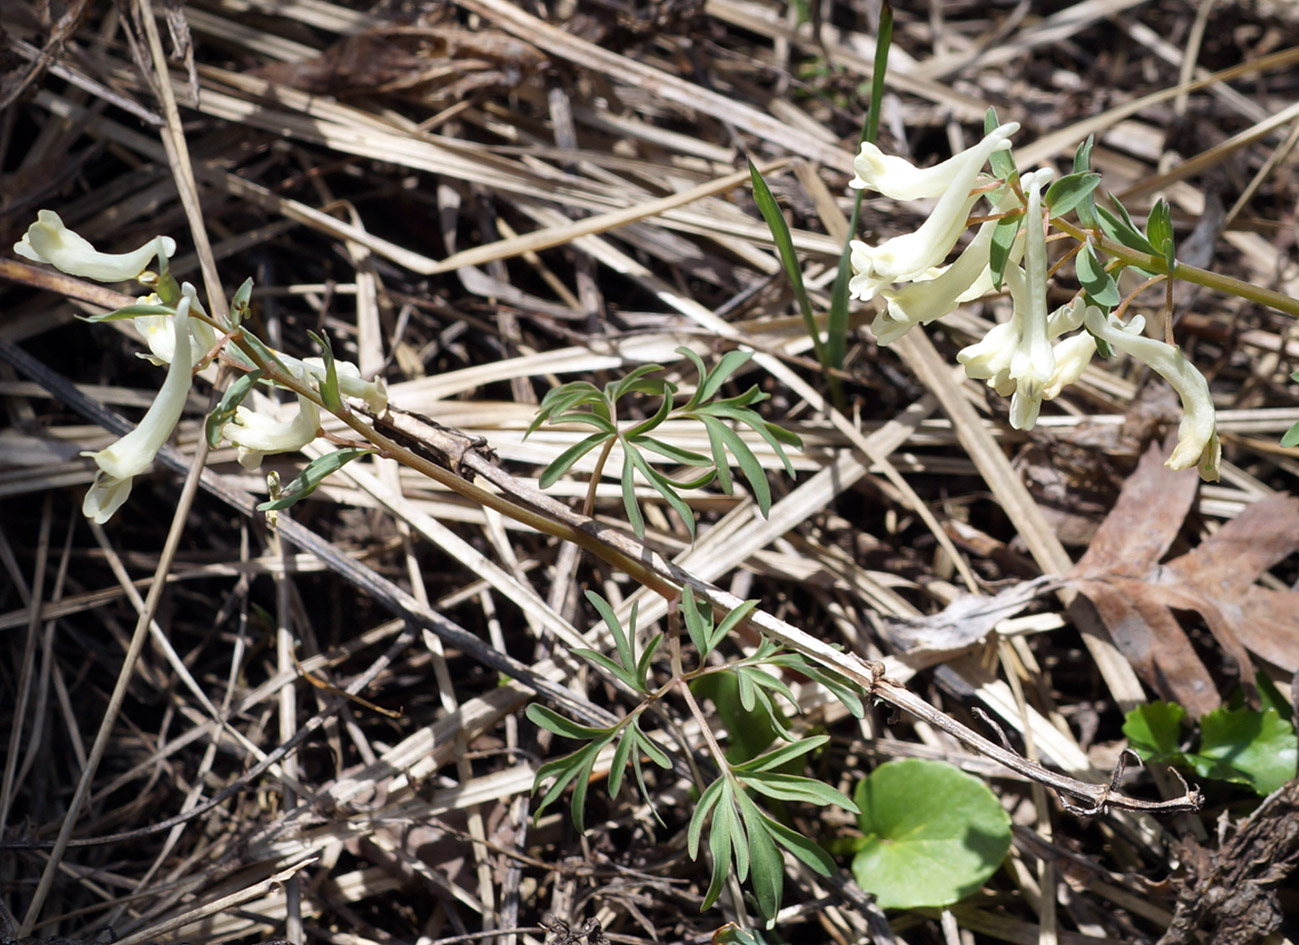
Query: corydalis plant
[[181, 336], [582, 403], [744, 839], [1033, 356]]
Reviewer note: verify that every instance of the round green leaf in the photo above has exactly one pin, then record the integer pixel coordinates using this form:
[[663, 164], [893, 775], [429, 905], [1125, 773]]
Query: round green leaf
[[934, 834]]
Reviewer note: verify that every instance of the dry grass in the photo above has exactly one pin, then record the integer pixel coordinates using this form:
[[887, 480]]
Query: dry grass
[[480, 204]]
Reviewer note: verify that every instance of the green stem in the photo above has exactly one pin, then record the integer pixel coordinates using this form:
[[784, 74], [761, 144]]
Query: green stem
[[461, 486], [1210, 280]]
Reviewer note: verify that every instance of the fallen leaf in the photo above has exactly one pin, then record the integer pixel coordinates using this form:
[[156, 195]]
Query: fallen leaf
[[1136, 596]]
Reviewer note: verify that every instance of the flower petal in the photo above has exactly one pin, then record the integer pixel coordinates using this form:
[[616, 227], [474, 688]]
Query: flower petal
[[1197, 435], [133, 453], [898, 178], [49, 241]]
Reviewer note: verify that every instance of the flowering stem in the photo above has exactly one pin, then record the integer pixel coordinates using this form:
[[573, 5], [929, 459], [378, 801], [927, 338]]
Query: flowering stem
[[463, 487], [1210, 280]]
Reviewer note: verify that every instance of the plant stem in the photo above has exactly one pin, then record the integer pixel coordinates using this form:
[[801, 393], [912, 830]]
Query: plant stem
[[463, 487], [1210, 280]]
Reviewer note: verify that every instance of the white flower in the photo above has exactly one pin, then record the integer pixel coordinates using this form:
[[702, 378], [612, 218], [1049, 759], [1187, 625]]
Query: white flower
[[1071, 358], [900, 179], [161, 339], [910, 256], [257, 434], [1033, 361], [921, 302], [350, 384], [49, 241], [990, 358], [1197, 435], [132, 454]]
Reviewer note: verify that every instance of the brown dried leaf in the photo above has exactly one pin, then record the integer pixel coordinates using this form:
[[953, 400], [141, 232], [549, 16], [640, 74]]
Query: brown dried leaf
[[1136, 596]]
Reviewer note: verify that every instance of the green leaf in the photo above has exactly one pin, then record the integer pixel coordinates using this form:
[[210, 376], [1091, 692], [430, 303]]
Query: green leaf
[[717, 446], [1246, 747], [1082, 156], [565, 460], [564, 771], [767, 875], [612, 667], [732, 934], [934, 834], [843, 689], [1291, 437], [707, 801], [1099, 285], [1003, 240], [883, 40], [750, 733], [652, 750], [1120, 228], [1081, 163], [1069, 191], [329, 386], [1159, 229], [224, 412], [312, 476], [732, 620], [699, 622], [552, 721], [666, 488], [624, 641], [128, 311], [770, 211], [802, 847], [1001, 162], [794, 787], [638, 380], [621, 758], [646, 659], [764, 680], [710, 382], [240, 302], [675, 453], [749, 466], [781, 757], [1270, 697], [589, 755], [1153, 731], [634, 516], [723, 835]]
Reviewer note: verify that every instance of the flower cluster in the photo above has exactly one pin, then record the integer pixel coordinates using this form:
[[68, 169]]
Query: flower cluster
[[181, 336], [1028, 358]]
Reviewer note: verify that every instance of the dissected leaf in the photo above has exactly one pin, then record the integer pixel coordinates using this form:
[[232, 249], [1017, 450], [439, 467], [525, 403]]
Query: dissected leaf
[[552, 721], [934, 834], [767, 868], [724, 835], [749, 733]]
